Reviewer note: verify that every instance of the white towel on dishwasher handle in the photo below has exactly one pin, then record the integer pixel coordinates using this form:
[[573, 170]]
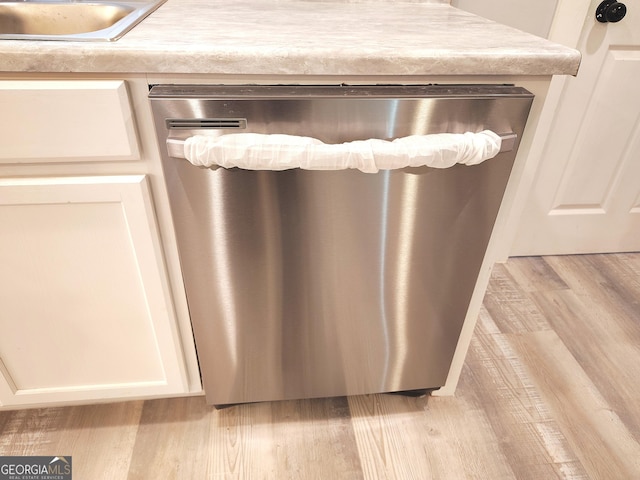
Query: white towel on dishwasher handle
[[254, 151]]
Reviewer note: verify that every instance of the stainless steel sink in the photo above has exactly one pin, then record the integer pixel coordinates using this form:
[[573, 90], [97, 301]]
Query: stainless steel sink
[[72, 20]]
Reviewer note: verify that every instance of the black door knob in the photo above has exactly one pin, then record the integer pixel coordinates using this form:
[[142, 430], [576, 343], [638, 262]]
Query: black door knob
[[610, 11]]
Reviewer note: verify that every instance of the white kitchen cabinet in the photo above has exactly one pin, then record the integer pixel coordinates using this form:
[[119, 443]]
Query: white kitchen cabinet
[[84, 314], [90, 307], [62, 120]]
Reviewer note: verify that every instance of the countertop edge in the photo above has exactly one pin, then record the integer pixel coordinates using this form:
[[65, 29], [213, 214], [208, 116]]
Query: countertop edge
[[156, 62]]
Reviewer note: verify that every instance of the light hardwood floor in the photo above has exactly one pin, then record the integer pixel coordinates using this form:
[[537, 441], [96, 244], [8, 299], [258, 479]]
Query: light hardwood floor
[[549, 390]]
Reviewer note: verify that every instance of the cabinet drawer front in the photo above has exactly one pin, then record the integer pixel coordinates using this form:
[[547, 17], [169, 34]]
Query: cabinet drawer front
[[49, 121]]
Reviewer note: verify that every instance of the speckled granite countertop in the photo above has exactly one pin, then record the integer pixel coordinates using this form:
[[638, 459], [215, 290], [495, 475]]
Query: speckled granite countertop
[[303, 37]]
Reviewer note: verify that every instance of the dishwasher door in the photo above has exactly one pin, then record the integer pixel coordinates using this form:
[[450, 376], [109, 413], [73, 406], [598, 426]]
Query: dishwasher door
[[325, 283]]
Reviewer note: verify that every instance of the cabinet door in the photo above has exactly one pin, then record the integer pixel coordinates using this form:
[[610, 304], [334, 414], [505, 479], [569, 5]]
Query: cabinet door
[[85, 312]]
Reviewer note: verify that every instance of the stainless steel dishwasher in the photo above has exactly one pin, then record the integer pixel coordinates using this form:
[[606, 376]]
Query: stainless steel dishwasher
[[304, 283]]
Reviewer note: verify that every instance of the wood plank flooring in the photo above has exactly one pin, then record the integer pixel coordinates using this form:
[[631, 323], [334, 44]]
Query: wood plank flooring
[[549, 390]]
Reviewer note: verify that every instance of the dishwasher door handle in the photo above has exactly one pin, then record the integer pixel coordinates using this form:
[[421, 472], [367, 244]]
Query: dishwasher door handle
[[508, 141], [255, 151], [175, 147]]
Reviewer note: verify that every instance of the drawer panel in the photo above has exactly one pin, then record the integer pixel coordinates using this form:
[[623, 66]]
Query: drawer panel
[[66, 121]]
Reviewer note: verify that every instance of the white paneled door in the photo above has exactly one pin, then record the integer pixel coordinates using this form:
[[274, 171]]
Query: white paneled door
[[586, 196]]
